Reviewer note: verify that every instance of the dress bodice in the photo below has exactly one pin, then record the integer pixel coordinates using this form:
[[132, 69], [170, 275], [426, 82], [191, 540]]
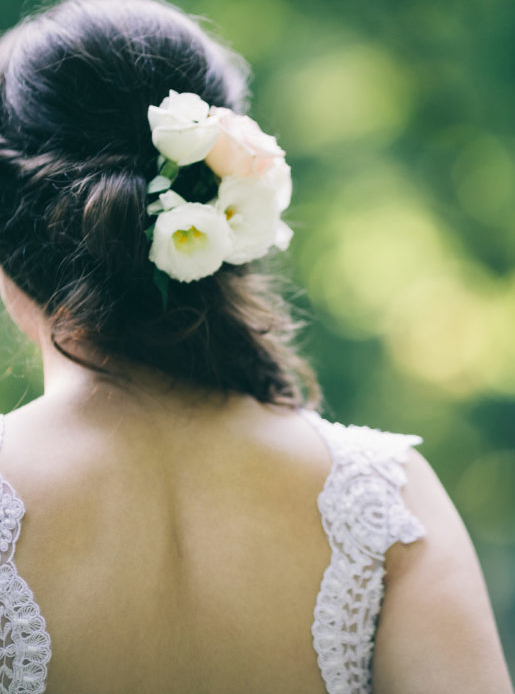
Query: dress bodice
[[24, 641], [362, 513]]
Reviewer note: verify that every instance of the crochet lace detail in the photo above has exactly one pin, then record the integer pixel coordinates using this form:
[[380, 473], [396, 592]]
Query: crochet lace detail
[[363, 514], [24, 642]]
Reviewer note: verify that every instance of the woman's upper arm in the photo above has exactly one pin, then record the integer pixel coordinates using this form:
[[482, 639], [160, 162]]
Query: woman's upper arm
[[436, 633]]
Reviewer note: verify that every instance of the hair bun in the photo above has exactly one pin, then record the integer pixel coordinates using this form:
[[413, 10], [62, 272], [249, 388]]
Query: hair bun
[[113, 219], [75, 156]]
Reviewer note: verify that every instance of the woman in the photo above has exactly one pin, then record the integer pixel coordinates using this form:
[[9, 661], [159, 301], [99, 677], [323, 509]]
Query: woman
[[169, 474]]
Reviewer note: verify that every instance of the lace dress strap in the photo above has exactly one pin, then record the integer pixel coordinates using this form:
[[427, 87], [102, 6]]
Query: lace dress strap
[[363, 514], [24, 642]]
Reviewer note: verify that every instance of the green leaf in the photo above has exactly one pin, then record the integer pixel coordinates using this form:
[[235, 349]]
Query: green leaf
[[155, 208], [160, 162], [161, 281], [149, 233], [170, 169], [159, 184]]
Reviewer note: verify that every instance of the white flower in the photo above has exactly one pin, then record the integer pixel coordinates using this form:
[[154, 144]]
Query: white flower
[[278, 177], [242, 149], [283, 236], [250, 207], [190, 241], [183, 130]]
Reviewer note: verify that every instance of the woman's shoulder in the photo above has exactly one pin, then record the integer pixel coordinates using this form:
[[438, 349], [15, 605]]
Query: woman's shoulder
[[35, 443], [52, 444], [436, 602], [50, 451], [365, 447], [48, 437], [362, 504], [434, 589]]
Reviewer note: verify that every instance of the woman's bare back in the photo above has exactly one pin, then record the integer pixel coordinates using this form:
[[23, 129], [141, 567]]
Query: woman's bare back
[[174, 544], [174, 549]]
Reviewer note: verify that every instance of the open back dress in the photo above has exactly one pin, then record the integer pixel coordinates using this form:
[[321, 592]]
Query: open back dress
[[362, 513]]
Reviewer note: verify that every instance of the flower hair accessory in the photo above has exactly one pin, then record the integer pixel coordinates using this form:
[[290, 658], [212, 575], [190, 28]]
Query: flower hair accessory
[[190, 239]]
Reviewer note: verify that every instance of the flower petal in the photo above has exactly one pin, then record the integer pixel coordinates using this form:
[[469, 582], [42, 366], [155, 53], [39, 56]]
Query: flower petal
[[185, 145], [251, 210], [283, 236], [278, 177], [242, 149], [188, 106], [190, 241], [183, 130]]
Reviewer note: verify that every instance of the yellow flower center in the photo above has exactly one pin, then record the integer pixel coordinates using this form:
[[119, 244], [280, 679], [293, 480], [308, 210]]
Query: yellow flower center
[[229, 213], [188, 240]]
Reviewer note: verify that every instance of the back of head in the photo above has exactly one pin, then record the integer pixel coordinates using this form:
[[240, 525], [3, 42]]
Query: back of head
[[76, 155]]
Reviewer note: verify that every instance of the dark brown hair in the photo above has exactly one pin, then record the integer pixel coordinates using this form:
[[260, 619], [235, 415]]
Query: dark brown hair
[[75, 157]]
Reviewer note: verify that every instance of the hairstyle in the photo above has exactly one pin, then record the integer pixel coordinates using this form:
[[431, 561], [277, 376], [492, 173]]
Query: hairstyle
[[75, 158]]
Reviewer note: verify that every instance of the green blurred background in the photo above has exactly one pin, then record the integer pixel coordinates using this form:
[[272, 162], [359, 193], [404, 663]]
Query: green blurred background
[[398, 118]]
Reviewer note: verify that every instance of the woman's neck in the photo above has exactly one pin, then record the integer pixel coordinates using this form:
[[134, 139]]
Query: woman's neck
[[122, 384], [118, 379]]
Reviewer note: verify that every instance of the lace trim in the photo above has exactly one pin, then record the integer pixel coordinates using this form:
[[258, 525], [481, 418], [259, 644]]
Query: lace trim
[[24, 642], [363, 514]]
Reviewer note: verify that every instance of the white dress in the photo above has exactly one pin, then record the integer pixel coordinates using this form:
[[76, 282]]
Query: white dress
[[363, 514]]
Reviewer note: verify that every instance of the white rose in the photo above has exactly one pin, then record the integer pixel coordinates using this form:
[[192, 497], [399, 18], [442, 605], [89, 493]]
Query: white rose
[[250, 207], [242, 149], [190, 241], [183, 130]]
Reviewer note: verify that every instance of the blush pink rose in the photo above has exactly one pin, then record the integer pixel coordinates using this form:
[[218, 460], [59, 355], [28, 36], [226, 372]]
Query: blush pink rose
[[242, 148]]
